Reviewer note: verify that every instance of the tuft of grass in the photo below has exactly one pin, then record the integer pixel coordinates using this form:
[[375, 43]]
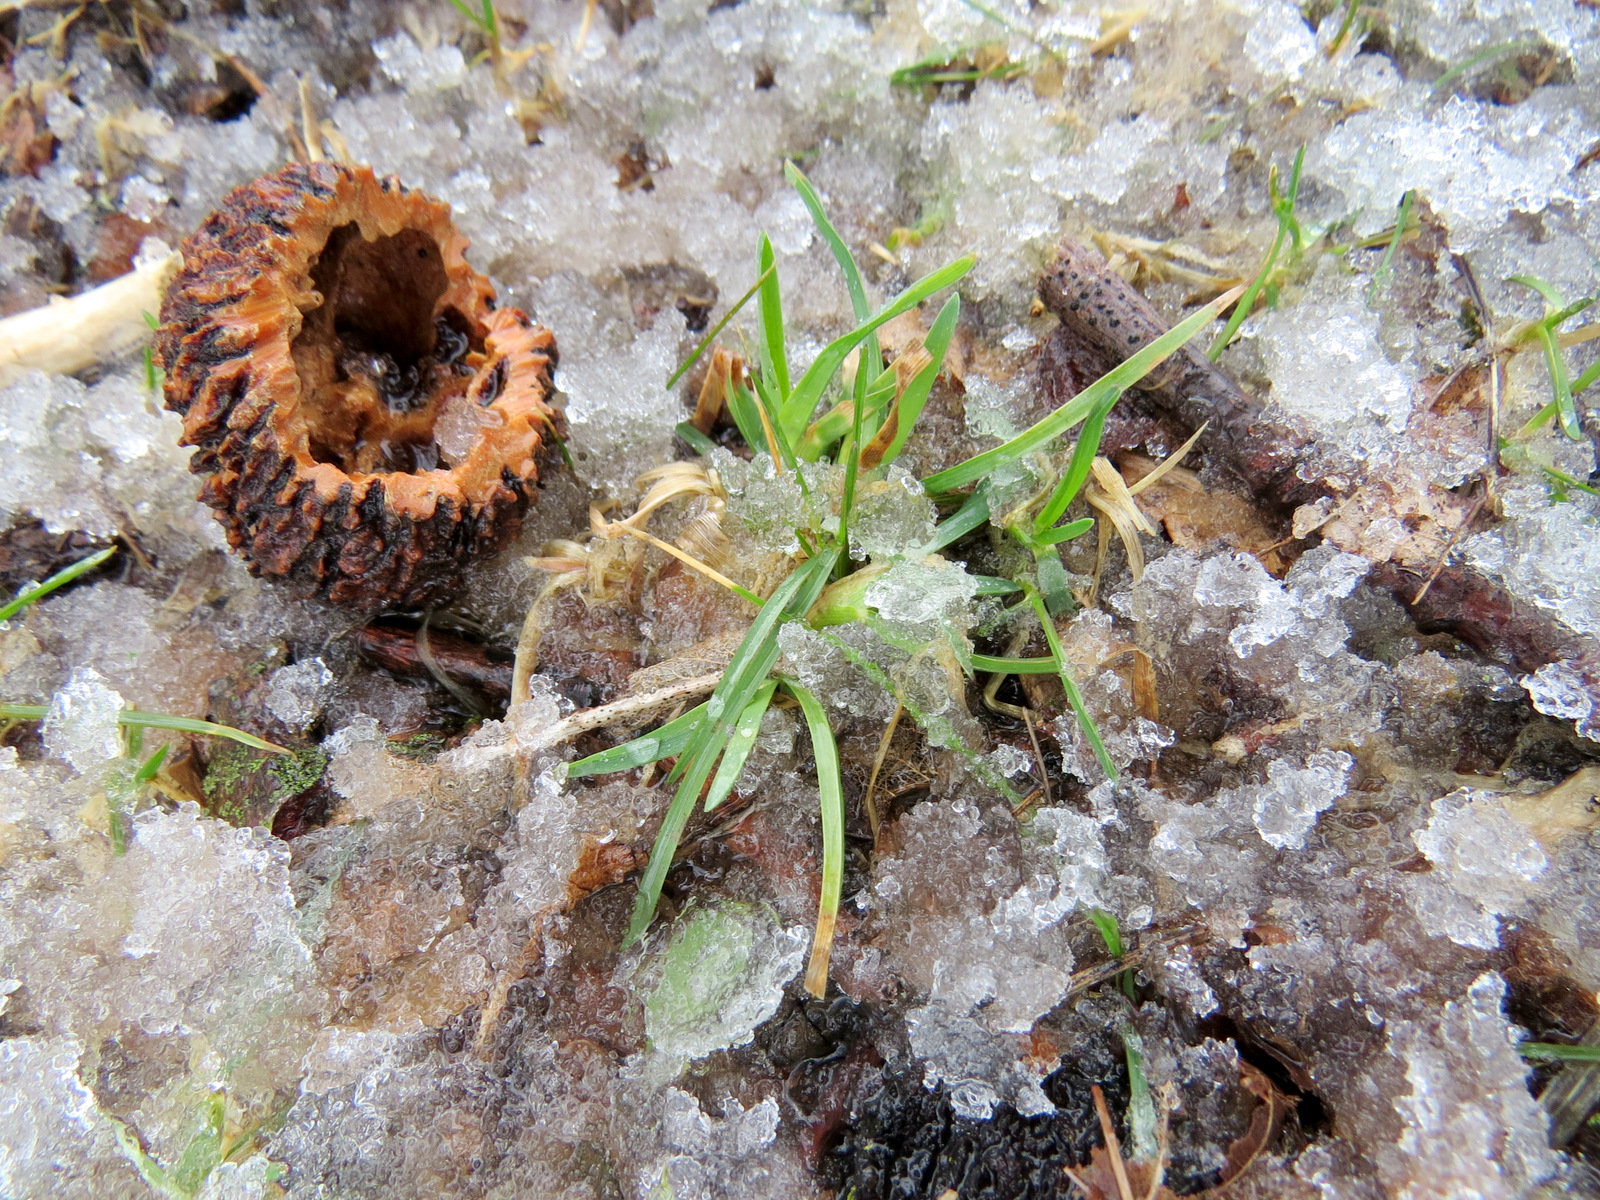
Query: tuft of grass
[[805, 415]]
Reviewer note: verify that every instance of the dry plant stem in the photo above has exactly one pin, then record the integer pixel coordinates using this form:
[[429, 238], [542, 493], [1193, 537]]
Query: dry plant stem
[[1113, 1148], [68, 336], [629, 708], [1444, 555], [870, 802], [1038, 757]]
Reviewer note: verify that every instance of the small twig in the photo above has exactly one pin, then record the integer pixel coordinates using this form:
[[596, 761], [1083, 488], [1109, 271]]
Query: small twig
[[1475, 294], [1444, 555], [1038, 757]]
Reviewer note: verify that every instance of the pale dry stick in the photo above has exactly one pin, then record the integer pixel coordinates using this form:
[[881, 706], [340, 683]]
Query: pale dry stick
[[1120, 30], [628, 708], [1113, 1147], [67, 336], [1450, 545]]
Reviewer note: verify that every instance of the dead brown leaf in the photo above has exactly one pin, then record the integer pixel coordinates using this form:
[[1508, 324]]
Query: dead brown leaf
[[600, 864], [1200, 520], [1265, 1124]]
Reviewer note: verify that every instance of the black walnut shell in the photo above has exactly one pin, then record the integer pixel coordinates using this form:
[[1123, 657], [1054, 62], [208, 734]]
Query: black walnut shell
[[324, 332]]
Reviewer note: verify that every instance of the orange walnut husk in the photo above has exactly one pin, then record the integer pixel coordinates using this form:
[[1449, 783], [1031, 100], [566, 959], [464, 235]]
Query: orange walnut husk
[[365, 418]]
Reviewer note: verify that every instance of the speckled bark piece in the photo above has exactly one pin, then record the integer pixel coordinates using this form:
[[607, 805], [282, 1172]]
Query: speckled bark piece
[[323, 322]]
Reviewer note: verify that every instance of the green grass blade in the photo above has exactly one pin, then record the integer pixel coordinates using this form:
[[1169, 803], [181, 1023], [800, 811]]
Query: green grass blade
[[1142, 1143], [993, 585], [1074, 696], [1489, 53], [1589, 376], [973, 513], [1566, 407], [770, 407], [937, 70], [752, 661], [1014, 666], [1561, 481], [774, 352], [1077, 473], [1111, 934], [1350, 7], [59, 580], [480, 20], [705, 342], [1547, 293], [742, 741], [144, 720], [841, 253], [1557, 319], [1112, 384], [871, 364], [831, 794], [803, 400], [693, 438], [878, 395], [1380, 277], [1054, 582], [852, 468], [152, 765], [742, 408], [665, 742], [915, 397], [661, 854], [826, 430], [1065, 533], [1559, 1051]]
